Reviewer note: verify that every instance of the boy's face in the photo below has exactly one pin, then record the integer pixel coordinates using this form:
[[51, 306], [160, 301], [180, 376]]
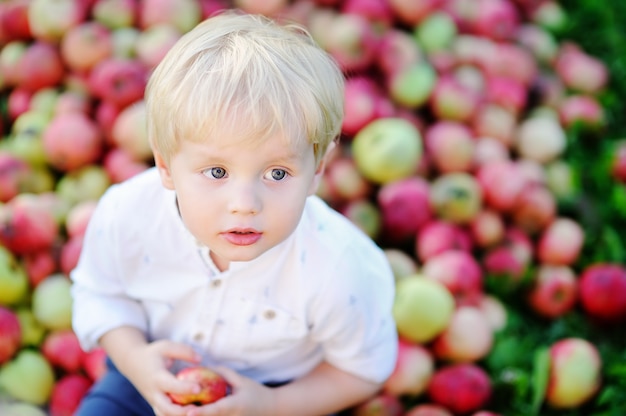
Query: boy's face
[[238, 199]]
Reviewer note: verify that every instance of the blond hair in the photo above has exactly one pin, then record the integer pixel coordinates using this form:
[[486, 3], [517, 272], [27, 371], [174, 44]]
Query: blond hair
[[246, 76]]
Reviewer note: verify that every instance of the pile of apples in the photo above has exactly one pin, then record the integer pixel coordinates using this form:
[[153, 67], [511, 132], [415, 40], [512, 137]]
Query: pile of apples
[[452, 158]]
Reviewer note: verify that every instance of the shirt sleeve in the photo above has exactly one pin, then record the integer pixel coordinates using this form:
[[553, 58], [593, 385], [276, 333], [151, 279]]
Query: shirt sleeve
[[99, 301], [353, 318]]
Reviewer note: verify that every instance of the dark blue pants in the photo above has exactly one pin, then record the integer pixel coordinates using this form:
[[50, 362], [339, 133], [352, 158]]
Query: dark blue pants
[[113, 395]]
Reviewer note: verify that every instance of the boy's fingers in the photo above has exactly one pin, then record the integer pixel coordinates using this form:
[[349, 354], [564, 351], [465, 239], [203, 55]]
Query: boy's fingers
[[179, 351]]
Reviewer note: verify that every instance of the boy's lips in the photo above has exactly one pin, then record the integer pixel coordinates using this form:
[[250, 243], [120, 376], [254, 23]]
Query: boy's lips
[[242, 236]]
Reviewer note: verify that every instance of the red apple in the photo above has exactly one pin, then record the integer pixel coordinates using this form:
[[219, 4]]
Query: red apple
[[14, 21], [451, 100], [404, 207], [603, 291], [364, 214], [213, 386], [78, 217], [267, 8], [376, 11], [495, 123], [534, 209], [62, 349], [14, 174], [352, 41], [70, 253], [561, 242], [10, 334], [467, 338], [462, 388], [554, 291], [67, 393], [397, 50], [72, 141], [26, 226], [582, 110], [487, 228], [154, 42], [120, 81], [496, 19], [487, 150], [85, 45], [94, 363], [40, 66], [494, 310], [501, 182], [120, 165], [507, 93], [437, 236], [579, 70], [346, 181], [458, 271], [414, 368], [182, 14], [115, 14], [575, 373], [360, 108], [39, 265], [130, 133], [411, 12], [450, 146]]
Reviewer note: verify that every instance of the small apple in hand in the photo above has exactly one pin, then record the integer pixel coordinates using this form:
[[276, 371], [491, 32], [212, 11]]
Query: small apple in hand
[[212, 386]]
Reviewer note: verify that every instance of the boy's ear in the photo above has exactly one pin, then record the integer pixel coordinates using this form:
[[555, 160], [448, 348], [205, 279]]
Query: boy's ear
[[164, 171]]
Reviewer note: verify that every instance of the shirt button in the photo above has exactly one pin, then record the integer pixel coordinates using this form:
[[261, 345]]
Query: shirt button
[[216, 283], [198, 336], [269, 314]]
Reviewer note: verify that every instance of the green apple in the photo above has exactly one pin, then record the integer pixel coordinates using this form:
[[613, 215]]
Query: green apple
[[412, 86], [422, 308], [33, 332], [21, 409], [387, 149], [28, 377], [456, 197], [52, 302], [13, 279], [85, 183]]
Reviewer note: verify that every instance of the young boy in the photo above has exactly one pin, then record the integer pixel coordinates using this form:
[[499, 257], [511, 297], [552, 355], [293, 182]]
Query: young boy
[[221, 254]]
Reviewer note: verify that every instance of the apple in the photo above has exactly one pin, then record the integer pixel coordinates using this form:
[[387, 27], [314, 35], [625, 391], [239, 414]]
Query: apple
[[456, 197], [10, 334], [379, 405], [94, 363], [121, 81], [561, 242], [412, 86], [267, 8], [487, 228], [28, 377], [213, 386], [14, 174], [534, 209], [387, 149], [124, 41], [410, 12], [404, 208], [580, 71], [496, 19], [52, 302], [422, 308], [130, 133], [181, 14], [10, 56], [462, 388], [458, 271], [436, 31], [603, 291], [376, 11], [452, 100], [397, 50], [119, 165], [39, 264], [540, 138], [154, 42], [25, 141], [85, 183], [427, 409], [450, 146], [70, 253], [508, 93], [582, 110], [115, 14], [352, 41], [402, 264], [414, 368], [50, 20], [78, 217], [21, 409], [467, 338], [437, 236], [40, 66], [33, 332], [575, 373], [561, 180], [14, 21], [62, 350], [501, 182], [346, 180], [19, 102], [26, 225], [553, 291], [364, 214], [618, 161], [488, 149], [540, 41], [495, 123], [71, 141], [67, 393], [360, 106], [494, 310], [85, 45]]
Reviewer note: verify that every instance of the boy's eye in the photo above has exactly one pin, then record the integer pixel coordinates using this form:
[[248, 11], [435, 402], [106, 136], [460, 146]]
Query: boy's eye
[[217, 173], [277, 174]]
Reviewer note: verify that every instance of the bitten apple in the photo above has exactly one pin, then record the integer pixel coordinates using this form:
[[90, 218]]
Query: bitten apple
[[213, 386]]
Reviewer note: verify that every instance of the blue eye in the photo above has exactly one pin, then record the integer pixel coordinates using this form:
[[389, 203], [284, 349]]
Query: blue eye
[[278, 174], [217, 173]]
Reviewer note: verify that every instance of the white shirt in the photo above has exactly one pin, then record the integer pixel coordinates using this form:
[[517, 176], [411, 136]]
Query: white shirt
[[325, 293]]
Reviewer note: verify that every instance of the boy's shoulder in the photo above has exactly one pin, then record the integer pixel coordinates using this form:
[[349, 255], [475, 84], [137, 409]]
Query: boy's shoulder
[[140, 189]]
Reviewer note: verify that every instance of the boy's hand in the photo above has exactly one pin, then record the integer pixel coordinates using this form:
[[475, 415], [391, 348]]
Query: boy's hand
[[147, 367], [248, 398]]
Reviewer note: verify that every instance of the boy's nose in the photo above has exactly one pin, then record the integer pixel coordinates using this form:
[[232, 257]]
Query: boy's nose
[[244, 200]]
